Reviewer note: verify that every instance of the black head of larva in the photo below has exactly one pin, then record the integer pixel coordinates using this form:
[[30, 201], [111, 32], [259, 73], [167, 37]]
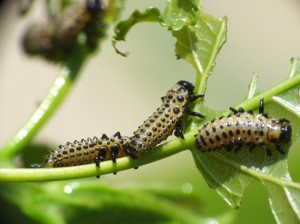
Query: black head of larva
[[187, 85], [94, 6], [286, 133]]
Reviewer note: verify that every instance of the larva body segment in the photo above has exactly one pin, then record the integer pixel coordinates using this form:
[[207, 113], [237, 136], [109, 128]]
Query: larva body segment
[[87, 151], [167, 119], [243, 128]]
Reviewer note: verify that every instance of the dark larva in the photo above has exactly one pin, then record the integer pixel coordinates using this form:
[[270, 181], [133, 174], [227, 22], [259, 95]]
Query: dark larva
[[167, 119], [244, 128], [53, 37], [87, 151]]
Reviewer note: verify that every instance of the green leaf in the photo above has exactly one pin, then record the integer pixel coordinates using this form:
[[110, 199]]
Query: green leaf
[[252, 88], [199, 36], [123, 27], [230, 173], [90, 201]]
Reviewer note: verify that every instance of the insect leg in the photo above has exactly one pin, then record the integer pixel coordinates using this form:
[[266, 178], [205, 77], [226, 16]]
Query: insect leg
[[193, 113], [235, 111], [101, 156], [238, 147], [179, 129], [278, 147], [195, 97], [261, 106], [114, 153], [282, 120], [252, 147], [131, 151], [269, 152]]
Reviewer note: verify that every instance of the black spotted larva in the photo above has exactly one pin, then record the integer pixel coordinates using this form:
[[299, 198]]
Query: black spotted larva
[[54, 37], [87, 151], [244, 128], [167, 119]]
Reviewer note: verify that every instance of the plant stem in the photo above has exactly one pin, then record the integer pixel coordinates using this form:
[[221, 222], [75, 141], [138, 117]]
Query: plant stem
[[160, 152], [56, 94]]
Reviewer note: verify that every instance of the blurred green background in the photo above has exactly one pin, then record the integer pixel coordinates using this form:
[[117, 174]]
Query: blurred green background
[[116, 93]]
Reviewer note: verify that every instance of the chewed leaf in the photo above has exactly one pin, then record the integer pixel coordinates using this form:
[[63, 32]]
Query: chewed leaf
[[123, 27], [229, 173], [199, 36]]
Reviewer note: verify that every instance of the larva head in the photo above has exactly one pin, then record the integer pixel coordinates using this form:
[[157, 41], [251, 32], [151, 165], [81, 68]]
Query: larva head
[[279, 133], [286, 133], [185, 85]]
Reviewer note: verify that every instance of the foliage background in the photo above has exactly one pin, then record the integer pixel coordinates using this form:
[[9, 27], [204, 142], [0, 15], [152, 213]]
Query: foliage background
[[115, 93]]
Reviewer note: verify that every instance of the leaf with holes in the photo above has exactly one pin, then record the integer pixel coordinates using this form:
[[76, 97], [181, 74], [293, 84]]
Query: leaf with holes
[[230, 173]]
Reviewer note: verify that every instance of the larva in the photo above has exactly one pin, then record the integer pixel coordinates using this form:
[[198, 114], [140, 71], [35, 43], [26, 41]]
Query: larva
[[244, 128], [87, 151], [52, 38], [167, 119]]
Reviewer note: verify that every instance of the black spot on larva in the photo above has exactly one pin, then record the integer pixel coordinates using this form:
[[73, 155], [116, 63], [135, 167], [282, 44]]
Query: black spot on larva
[[211, 141], [224, 134], [176, 110], [221, 126], [218, 138], [144, 139], [207, 133], [261, 133], [214, 129], [180, 99], [230, 133], [249, 132]]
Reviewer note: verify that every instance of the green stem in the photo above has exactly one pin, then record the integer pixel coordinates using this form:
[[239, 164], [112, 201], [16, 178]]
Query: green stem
[[160, 152], [56, 94], [285, 85], [202, 78]]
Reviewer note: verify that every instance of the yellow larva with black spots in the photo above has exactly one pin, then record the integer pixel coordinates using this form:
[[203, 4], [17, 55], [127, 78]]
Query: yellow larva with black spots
[[87, 151], [167, 119], [244, 128]]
